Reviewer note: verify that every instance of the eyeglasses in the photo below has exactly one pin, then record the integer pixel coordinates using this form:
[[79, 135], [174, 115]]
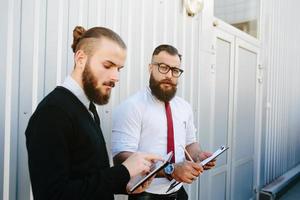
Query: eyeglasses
[[164, 69]]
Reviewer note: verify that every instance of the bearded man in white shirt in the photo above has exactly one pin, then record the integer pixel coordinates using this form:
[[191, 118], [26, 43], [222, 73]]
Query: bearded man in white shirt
[[155, 120]]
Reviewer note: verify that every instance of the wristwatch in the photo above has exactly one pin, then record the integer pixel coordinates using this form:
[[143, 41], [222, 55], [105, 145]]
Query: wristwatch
[[169, 169]]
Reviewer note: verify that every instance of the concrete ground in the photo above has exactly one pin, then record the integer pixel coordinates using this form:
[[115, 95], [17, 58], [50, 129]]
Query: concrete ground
[[293, 193]]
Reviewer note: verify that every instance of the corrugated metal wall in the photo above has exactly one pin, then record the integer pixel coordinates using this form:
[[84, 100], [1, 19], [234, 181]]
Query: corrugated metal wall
[[35, 54], [280, 36]]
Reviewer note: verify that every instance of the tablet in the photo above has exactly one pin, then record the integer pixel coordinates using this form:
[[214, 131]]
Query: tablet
[[221, 150], [154, 170]]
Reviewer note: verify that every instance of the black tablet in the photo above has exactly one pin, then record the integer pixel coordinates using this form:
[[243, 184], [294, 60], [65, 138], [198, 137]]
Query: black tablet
[[156, 167]]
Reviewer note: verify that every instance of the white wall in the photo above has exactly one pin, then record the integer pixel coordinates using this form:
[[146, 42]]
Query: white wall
[[35, 54], [281, 60]]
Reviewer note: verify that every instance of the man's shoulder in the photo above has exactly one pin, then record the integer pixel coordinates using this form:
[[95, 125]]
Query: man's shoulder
[[56, 107], [137, 98], [134, 103], [181, 101], [60, 98], [181, 104]]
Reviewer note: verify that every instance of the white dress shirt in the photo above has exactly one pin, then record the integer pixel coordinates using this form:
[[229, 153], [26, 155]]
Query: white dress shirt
[[140, 124]]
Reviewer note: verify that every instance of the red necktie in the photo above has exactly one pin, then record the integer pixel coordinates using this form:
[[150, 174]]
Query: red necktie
[[170, 141]]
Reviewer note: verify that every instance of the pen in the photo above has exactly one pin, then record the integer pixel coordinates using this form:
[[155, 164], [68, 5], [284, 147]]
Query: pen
[[188, 155], [175, 183]]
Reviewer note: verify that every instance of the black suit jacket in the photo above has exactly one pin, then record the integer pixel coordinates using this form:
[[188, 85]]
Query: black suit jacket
[[67, 154]]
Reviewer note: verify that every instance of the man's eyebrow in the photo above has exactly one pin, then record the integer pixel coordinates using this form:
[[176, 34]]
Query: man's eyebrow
[[112, 63], [178, 67], [120, 67]]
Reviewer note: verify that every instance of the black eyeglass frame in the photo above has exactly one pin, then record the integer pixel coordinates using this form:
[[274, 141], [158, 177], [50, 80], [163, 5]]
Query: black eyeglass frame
[[169, 68]]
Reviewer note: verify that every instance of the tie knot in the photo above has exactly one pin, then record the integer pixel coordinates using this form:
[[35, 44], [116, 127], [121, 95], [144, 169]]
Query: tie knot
[[167, 104], [92, 107]]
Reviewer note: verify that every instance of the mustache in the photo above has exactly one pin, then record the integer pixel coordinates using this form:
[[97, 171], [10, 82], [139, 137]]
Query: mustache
[[109, 83], [168, 81]]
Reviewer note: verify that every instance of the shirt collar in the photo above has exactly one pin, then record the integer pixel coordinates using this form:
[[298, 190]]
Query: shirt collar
[[75, 88]]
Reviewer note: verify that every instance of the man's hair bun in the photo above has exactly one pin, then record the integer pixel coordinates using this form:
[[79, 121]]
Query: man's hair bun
[[78, 32]]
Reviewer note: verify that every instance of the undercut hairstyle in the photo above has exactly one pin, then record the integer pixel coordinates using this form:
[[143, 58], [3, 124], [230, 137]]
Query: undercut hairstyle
[[86, 39], [167, 48]]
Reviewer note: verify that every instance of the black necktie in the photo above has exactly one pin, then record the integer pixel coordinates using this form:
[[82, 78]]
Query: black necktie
[[92, 108]]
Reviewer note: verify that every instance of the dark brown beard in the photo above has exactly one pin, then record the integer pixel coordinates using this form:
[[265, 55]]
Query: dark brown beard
[[158, 92], [90, 87]]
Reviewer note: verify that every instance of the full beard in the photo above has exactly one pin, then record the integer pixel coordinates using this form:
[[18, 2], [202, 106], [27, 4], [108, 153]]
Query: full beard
[[90, 88], [158, 92]]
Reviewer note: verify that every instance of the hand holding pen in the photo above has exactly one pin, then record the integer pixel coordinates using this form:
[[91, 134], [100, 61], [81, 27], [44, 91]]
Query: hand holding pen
[[185, 172]]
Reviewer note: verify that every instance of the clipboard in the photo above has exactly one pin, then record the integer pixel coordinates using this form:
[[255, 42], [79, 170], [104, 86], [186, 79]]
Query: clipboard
[[218, 152], [154, 170]]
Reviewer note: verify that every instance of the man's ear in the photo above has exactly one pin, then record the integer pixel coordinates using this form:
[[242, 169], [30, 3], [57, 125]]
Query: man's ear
[[150, 68], [80, 59]]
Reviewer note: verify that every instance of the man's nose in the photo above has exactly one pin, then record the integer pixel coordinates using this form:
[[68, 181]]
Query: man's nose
[[115, 75], [169, 74]]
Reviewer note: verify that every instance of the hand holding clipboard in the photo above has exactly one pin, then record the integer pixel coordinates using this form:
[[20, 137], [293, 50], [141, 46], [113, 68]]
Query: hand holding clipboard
[[218, 152], [214, 155]]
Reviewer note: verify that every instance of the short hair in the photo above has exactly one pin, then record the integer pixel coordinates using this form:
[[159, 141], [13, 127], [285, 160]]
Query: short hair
[[167, 48], [85, 39]]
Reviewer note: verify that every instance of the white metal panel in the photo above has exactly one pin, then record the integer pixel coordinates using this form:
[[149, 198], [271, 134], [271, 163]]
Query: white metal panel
[[219, 185], [8, 102], [12, 32], [280, 34], [244, 132], [237, 65], [5, 94], [40, 35]]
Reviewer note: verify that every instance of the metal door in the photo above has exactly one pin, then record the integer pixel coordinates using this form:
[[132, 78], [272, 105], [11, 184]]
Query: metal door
[[222, 116], [244, 132], [236, 117]]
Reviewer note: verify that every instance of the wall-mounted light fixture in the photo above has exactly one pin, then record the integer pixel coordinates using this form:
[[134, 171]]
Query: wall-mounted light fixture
[[193, 6]]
